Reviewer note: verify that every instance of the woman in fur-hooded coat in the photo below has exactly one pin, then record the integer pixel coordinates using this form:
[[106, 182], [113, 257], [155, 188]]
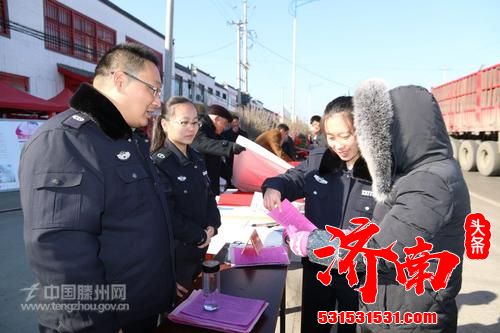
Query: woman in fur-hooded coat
[[420, 192]]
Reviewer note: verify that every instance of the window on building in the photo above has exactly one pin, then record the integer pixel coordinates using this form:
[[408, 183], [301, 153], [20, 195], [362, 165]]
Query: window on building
[[224, 96], [158, 54], [4, 19], [72, 33], [17, 81], [210, 91], [217, 93], [106, 39], [178, 85]]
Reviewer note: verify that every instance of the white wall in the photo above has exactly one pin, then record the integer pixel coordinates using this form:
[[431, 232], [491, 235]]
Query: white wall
[[25, 55]]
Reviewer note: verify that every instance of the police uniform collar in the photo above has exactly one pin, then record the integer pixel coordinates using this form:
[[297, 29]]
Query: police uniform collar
[[104, 113], [331, 162], [183, 159]]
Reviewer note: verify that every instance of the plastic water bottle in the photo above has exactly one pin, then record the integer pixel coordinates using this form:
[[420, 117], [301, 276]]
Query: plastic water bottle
[[211, 284]]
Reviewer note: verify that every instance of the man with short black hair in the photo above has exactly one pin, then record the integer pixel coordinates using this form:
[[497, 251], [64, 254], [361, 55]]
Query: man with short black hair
[[95, 217], [316, 139]]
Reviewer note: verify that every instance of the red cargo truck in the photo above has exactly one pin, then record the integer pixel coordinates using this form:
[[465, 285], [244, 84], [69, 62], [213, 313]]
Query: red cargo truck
[[471, 111]]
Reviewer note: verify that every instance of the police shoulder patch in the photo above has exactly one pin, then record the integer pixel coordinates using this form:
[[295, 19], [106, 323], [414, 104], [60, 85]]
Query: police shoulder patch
[[161, 155], [76, 120]]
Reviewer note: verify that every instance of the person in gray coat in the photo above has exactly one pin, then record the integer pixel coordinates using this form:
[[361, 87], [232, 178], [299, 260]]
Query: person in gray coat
[[420, 191], [97, 228]]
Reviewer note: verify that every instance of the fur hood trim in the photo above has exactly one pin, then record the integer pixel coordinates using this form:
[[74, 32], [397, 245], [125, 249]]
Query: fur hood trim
[[373, 118]]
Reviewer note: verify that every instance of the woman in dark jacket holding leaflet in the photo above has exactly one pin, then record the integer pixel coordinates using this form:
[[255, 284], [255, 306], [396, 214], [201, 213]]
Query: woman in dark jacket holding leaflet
[[184, 176], [337, 187]]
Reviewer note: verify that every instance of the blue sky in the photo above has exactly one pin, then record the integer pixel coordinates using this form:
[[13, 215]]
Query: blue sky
[[339, 43]]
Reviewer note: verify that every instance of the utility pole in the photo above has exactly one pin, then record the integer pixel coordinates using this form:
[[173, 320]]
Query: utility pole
[[309, 99], [238, 61], [294, 4], [294, 58], [168, 66], [282, 113], [242, 29], [245, 45]]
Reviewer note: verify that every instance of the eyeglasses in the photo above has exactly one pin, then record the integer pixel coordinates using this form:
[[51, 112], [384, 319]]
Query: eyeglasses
[[157, 92], [340, 139], [185, 123]]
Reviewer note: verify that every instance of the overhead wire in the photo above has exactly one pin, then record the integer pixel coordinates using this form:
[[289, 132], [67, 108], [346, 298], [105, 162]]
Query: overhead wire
[[302, 67], [207, 52], [56, 41]]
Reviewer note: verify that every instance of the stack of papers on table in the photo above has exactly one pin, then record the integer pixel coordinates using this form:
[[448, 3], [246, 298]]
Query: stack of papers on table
[[273, 255], [235, 314]]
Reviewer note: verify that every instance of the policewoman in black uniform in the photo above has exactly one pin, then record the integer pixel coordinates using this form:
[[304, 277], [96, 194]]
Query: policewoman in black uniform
[[337, 187], [184, 175]]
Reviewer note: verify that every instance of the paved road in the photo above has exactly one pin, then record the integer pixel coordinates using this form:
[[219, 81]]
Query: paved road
[[14, 275], [479, 301], [479, 298]]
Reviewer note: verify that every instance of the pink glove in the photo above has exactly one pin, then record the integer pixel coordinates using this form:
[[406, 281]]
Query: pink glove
[[298, 243], [286, 237]]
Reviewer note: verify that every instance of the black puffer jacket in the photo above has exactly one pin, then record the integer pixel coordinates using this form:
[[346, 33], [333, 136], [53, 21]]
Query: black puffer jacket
[[420, 191]]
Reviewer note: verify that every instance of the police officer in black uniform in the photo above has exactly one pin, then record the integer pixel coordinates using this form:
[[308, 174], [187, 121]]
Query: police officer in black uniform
[[95, 217], [337, 187], [184, 175]]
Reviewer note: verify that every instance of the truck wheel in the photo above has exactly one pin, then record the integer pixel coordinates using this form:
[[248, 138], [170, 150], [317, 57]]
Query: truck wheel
[[488, 158], [455, 145], [467, 155]]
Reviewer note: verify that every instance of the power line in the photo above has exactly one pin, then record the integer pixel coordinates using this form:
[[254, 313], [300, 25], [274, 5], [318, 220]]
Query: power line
[[271, 51], [301, 67], [208, 52], [221, 10], [234, 8], [54, 40]]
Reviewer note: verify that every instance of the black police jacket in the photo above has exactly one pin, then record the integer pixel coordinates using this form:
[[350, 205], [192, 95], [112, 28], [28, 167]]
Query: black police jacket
[[189, 196], [188, 192], [213, 147], [95, 214], [333, 195]]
